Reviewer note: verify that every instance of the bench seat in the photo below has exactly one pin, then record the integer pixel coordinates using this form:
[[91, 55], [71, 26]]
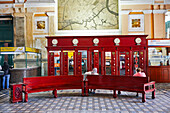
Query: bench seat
[[51, 83], [121, 83]]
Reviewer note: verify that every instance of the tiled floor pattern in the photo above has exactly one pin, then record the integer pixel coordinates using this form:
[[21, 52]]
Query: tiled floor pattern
[[71, 101]]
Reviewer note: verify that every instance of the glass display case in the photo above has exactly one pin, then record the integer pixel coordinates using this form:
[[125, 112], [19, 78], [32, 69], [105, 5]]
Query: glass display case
[[23, 62], [158, 56], [21, 57]]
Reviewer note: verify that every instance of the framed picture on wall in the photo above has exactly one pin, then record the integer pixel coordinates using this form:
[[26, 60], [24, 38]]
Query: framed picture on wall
[[41, 24], [136, 22]]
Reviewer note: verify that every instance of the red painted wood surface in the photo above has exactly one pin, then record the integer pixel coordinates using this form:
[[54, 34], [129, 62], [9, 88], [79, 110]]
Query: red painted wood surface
[[106, 44], [65, 63], [96, 61], [127, 63], [121, 83], [160, 74], [16, 93], [77, 63], [104, 41], [113, 63], [50, 64], [47, 83]]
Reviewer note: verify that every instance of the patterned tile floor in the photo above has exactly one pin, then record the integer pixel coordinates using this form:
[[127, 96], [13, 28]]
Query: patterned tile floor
[[71, 101]]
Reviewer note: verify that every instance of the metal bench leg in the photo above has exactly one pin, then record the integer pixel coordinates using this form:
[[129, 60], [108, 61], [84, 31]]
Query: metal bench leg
[[143, 97]]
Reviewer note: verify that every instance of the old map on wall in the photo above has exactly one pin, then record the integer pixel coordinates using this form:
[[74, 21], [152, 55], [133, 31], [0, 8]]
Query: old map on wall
[[88, 14]]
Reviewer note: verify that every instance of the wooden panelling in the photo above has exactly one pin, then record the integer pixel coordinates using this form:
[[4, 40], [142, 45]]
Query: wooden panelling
[[160, 74]]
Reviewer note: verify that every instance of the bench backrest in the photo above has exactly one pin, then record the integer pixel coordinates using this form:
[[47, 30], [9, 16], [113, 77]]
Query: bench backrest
[[53, 81], [110, 81]]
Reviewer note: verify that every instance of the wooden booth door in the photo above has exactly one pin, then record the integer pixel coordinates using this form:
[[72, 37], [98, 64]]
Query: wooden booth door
[[64, 63], [139, 60], [110, 64], [96, 61], [114, 63], [51, 64], [124, 63], [77, 63]]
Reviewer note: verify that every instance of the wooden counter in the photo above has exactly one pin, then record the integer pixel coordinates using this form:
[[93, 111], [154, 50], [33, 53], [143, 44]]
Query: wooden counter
[[160, 74], [17, 74]]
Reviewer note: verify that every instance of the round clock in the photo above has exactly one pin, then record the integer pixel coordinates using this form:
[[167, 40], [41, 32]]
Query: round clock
[[138, 40], [117, 40], [96, 41], [75, 41], [54, 41]]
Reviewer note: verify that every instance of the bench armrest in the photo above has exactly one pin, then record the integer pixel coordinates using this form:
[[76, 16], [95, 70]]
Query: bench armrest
[[149, 86], [150, 83]]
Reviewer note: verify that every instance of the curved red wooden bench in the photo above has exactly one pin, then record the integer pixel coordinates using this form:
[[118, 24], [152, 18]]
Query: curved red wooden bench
[[53, 83]]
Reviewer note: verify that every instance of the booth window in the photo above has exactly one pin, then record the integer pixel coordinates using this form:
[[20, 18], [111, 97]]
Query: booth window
[[158, 56]]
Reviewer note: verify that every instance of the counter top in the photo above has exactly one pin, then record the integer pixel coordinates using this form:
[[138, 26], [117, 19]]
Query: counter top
[[24, 68]]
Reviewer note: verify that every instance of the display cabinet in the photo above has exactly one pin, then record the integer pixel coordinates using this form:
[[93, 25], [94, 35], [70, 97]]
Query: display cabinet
[[158, 63], [26, 62]]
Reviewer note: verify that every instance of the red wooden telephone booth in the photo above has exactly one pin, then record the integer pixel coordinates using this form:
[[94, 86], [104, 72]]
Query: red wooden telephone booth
[[111, 55]]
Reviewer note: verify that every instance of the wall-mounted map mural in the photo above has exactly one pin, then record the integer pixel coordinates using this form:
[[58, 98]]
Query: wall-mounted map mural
[[88, 14]]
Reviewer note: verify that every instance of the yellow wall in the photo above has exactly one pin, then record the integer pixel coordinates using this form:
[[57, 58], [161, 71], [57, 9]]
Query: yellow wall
[[124, 24], [159, 25], [158, 29]]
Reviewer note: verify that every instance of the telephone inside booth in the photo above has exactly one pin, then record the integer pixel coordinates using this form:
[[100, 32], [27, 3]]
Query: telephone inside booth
[[124, 64], [83, 60], [108, 63], [67, 62], [57, 63], [122, 61], [139, 60]]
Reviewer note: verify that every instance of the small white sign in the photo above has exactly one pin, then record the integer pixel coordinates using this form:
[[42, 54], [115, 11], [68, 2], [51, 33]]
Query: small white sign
[[158, 42]]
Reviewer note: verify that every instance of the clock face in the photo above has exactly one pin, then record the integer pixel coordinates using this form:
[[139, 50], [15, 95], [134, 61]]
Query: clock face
[[138, 40], [54, 41], [96, 41], [75, 41], [117, 40]]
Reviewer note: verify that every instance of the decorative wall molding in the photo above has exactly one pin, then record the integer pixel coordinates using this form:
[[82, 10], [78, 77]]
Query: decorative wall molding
[[159, 11], [45, 1], [147, 11], [6, 6], [39, 5], [50, 13], [132, 2], [136, 33], [128, 11], [125, 12], [41, 24], [136, 22]]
